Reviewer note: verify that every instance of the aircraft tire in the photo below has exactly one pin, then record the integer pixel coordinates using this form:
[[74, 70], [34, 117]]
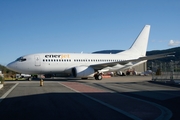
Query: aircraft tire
[[30, 79], [98, 77]]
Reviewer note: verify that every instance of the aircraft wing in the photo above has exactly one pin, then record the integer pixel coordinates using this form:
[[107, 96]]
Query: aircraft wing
[[151, 57]]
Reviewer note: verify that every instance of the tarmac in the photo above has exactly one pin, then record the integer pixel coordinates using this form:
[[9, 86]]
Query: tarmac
[[128, 97]]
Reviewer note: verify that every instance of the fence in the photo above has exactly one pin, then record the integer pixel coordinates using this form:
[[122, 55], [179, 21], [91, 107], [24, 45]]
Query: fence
[[166, 72]]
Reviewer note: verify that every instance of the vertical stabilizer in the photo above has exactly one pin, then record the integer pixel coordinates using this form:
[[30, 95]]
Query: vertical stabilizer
[[139, 46]]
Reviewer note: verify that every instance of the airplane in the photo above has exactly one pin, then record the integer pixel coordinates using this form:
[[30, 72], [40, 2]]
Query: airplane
[[84, 65]]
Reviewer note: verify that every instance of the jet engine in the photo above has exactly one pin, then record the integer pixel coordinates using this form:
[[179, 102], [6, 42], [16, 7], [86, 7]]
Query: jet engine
[[83, 71]]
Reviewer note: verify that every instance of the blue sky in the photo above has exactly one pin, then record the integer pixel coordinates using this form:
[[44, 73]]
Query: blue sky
[[35, 26]]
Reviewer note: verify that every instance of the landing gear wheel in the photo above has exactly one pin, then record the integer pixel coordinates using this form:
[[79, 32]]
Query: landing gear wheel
[[30, 79], [98, 77]]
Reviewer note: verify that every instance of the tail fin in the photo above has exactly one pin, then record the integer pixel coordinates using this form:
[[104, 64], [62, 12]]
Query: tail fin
[[139, 46]]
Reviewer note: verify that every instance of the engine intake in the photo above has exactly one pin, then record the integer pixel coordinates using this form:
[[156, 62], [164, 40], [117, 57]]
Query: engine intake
[[83, 71]]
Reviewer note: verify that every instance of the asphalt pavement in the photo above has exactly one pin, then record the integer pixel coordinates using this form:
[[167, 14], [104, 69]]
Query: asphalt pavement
[[111, 98]]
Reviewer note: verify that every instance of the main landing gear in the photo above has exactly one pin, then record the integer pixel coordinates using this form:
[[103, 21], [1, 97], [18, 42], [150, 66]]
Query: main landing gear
[[98, 76]]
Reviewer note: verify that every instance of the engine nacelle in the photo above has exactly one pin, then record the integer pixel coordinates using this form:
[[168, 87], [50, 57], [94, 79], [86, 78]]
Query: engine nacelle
[[83, 71]]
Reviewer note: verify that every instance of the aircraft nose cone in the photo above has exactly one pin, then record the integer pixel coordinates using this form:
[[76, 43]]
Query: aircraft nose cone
[[11, 66], [8, 65]]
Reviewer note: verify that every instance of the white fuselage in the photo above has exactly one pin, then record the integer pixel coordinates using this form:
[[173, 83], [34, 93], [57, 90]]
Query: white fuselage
[[44, 63]]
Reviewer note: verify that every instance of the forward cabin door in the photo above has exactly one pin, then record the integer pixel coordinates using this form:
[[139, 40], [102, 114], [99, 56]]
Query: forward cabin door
[[37, 60]]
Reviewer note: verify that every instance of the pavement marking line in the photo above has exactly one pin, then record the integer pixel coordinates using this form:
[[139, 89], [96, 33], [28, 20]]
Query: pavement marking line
[[103, 103], [166, 114], [6, 94]]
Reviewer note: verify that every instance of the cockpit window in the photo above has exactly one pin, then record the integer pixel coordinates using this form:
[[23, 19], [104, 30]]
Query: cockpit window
[[21, 59]]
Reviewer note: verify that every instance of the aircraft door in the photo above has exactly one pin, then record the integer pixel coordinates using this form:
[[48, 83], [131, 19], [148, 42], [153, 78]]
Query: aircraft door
[[37, 60]]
